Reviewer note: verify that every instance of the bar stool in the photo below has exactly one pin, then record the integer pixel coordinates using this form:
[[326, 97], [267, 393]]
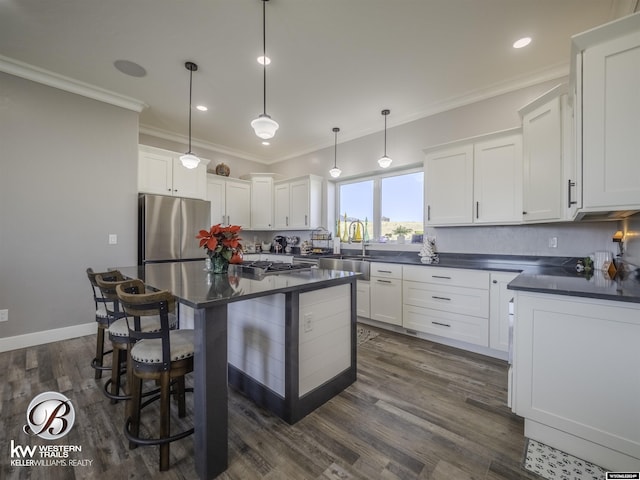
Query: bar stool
[[103, 318], [164, 356], [119, 335]]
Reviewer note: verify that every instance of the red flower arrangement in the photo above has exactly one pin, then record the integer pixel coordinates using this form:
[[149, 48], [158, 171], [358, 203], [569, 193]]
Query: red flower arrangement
[[222, 241]]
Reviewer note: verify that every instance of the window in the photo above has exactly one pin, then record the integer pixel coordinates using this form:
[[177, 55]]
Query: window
[[384, 203]]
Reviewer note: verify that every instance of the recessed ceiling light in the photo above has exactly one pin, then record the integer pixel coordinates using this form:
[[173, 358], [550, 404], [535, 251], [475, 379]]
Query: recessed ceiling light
[[523, 42], [202, 108], [266, 143], [262, 60], [130, 68]]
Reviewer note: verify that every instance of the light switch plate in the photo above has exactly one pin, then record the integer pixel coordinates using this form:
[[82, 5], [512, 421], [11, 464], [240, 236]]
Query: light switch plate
[[4, 315], [113, 239]]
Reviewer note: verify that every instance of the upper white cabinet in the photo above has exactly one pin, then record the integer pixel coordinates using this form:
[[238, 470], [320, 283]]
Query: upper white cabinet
[[551, 184], [475, 181], [230, 200], [607, 75], [160, 172], [298, 203], [261, 200]]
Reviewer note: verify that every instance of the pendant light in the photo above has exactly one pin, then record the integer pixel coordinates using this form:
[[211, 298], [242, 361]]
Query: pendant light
[[335, 171], [264, 126], [385, 161], [189, 160]]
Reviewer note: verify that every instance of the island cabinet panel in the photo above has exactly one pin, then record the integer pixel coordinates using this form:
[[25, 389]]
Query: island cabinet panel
[[576, 376], [325, 337], [256, 340]]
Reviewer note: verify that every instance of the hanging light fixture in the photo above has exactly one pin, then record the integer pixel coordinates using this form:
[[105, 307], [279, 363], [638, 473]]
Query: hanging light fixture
[[264, 126], [335, 171], [385, 161], [189, 160]]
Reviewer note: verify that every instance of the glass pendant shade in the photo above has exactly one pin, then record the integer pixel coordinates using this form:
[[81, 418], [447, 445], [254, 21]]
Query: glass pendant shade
[[384, 162], [264, 126], [189, 160], [335, 172]]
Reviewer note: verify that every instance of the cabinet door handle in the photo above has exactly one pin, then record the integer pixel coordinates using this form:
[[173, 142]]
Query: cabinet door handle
[[440, 276], [384, 281], [305, 220], [477, 210], [495, 281], [442, 324], [569, 185], [286, 221], [440, 298], [428, 213]]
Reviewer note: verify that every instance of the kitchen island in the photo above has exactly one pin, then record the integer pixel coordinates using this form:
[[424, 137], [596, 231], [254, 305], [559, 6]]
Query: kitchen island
[[214, 298]]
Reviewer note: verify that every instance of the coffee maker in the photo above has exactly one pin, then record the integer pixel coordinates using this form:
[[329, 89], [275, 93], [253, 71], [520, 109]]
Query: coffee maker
[[279, 244]]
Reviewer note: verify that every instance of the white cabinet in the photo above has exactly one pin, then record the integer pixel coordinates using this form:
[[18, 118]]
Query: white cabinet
[[497, 180], [449, 302], [386, 292], [449, 186], [499, 310], [160, 172], [576, 376], [298, 203], [230, 200], [261, 200], [475, 181], [607, 73], [363, 299]]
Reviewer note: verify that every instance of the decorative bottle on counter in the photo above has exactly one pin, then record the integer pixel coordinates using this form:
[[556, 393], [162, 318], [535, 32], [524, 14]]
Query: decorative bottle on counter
[[345, 230], [366, 230], [357, 236]]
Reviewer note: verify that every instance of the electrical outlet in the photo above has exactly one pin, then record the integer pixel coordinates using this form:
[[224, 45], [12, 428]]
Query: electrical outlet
[[113, 239], [553, 242], [308, 323], [4, 315]]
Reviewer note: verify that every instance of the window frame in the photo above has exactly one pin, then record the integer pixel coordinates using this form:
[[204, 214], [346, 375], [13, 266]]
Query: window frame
[[377, 194]]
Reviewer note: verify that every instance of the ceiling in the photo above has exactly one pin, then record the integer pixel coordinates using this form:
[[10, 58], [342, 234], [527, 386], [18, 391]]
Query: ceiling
[[334, 62]]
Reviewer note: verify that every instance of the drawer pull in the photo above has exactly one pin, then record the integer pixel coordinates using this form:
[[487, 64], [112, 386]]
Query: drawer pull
[[384, 281], [442, 324], [440, 276], [383, 271], [440, 298]]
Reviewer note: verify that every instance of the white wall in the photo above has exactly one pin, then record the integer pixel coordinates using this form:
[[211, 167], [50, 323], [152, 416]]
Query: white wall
[[68, 178]]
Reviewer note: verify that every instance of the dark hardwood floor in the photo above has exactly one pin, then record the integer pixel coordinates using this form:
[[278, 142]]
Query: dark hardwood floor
[[419, 410]]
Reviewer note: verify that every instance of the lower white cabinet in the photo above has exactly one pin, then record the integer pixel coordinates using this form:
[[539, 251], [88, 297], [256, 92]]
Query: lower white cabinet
[[576, 376], [499, 310], [449, 302], [386, 292], [363, 299]]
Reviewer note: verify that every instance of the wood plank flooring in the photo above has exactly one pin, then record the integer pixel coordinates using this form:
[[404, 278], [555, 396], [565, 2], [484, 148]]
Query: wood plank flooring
[[419, 410]]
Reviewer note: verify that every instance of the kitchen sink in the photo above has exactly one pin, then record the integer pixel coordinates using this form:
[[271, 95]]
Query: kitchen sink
[[346, 263]]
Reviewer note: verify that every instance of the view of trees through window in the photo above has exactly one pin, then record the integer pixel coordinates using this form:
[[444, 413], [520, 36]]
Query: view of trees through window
[[389, 205]]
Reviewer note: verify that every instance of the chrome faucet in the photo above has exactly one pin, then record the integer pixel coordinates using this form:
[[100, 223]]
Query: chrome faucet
[[355, 223]]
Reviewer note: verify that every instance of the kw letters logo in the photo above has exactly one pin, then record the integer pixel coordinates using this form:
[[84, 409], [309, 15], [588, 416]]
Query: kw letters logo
[[50, 416]]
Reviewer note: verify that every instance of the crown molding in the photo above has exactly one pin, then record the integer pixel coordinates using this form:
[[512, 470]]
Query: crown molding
[[52, 79], [214, 147]]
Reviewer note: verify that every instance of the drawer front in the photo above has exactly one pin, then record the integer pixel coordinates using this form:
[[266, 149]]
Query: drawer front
[[461, 300], [386, 270], [464, 328], [447, 276]]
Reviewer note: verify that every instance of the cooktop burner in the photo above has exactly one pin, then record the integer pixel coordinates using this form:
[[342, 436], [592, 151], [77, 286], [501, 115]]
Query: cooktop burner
[[263, 267]]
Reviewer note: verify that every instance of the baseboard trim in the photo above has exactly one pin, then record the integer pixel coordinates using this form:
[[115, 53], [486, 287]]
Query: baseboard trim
[[46, 336]]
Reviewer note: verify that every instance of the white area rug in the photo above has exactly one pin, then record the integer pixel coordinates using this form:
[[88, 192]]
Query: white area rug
[[554, 464], [364, 334]]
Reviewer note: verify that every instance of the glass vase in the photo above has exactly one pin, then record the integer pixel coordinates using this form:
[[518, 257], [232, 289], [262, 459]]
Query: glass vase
[[219, 264]]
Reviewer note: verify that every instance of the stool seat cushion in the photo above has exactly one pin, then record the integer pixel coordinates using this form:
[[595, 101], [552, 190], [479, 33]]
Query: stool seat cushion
[[120, 328], [150, 350], [101, 311]]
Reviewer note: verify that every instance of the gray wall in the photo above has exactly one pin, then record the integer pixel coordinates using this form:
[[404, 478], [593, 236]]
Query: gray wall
[[68, 178]]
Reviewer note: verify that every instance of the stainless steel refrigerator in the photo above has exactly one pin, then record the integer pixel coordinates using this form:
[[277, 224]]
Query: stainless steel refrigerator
[[167, 228]]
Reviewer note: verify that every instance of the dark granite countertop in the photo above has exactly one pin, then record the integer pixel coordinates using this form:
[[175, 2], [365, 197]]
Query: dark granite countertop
[[554, 275], [197, 288]]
